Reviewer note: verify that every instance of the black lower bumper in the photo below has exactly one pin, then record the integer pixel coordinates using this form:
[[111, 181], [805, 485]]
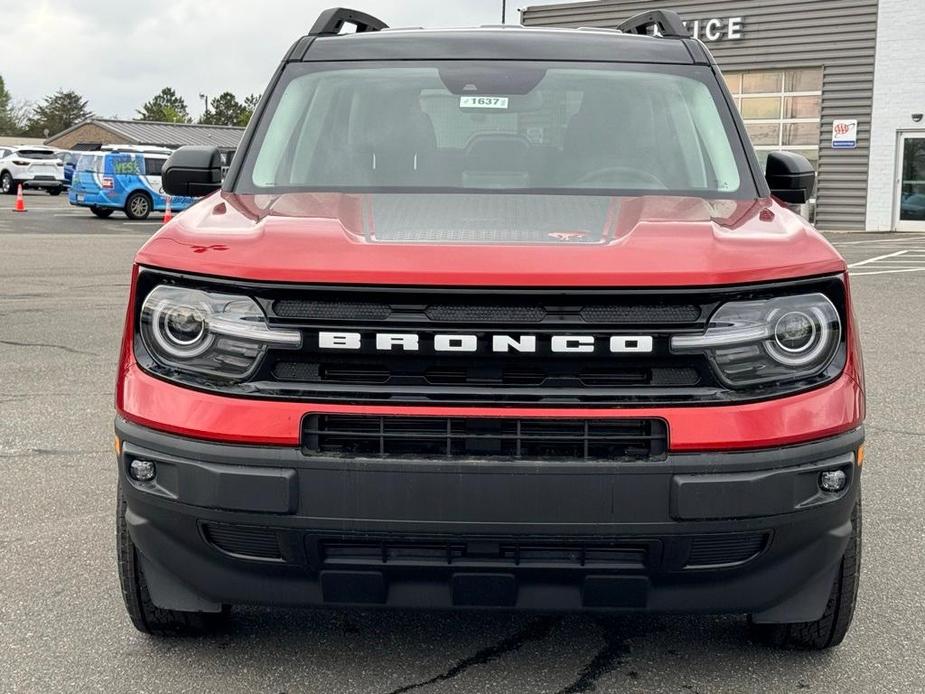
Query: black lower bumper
[[744, 533], [43, 183]]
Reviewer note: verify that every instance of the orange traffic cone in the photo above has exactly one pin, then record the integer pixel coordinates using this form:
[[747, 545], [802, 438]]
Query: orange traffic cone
[[168, 215], [20, 205]]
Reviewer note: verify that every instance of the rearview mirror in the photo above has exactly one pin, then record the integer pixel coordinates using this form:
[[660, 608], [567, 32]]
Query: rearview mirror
[[791, 177], [192, 172]]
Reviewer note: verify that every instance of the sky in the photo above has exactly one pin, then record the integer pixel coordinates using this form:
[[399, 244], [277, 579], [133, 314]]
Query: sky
[[120, 53]]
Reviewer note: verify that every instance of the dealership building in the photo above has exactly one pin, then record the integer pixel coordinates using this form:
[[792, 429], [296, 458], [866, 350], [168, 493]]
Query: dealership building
[[839, 81]]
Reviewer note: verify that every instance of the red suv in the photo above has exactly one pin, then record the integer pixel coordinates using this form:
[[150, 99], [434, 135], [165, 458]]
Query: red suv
[[495, 318]]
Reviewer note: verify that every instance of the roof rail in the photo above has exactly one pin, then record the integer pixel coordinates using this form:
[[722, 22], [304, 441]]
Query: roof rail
[[331, 21], [668, 24]]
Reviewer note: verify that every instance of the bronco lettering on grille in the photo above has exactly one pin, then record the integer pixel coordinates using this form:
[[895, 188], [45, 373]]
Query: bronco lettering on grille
[[499, 344]]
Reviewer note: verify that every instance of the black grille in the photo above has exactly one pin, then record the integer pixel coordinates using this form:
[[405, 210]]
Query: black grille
[[485, 553], [532, 376], [635, 314], [725, 550], [432, 372], [486, 314], [242, 541], [298, 372], [501, 310], [331, 310], [463, 437]]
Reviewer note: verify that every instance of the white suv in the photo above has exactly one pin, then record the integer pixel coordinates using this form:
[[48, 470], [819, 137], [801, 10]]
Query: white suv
[[34, 167]]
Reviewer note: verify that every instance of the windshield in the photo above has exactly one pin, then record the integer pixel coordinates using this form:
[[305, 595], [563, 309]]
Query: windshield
[[497, 127]]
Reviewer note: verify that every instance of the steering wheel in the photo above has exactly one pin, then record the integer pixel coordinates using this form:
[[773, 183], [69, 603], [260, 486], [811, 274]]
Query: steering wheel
[[607, 176]]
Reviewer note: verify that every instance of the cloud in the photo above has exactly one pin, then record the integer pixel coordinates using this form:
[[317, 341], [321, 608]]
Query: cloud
[[118, 54]]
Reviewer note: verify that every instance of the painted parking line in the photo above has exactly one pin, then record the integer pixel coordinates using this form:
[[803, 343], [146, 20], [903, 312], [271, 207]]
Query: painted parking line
[[906, 261], [888, 272], [870, 261], [898, 240], [903, 260]]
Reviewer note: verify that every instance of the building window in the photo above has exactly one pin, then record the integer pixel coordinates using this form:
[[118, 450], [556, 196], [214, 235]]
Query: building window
[[782, 110]]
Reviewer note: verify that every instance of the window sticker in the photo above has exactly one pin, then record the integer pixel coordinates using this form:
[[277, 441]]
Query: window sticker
[[497, 102]]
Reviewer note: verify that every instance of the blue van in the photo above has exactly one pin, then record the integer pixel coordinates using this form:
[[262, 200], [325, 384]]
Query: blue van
[[123, 179]]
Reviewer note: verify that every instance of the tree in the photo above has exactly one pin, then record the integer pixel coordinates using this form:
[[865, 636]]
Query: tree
[[250, 105], [166, 107], [226, 110], [7, 124], [57, 112]]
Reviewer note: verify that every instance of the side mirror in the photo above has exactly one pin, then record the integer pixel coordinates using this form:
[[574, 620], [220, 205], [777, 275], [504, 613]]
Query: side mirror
[[192, 172], [791, 177]]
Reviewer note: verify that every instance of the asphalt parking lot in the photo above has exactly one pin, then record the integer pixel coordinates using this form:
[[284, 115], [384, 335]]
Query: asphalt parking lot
[[63, 283]]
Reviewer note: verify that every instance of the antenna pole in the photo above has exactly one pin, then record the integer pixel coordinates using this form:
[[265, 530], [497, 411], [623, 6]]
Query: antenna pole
[[504, 11]]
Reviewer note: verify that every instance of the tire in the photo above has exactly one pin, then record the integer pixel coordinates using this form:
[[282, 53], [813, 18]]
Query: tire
[[102, 212], [138, 206], [145, 615], [830, 630], [7, 184], [55, 192]]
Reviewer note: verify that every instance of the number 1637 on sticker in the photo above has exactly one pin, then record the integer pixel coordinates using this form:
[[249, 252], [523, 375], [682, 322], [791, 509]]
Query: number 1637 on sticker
[[501, 102]]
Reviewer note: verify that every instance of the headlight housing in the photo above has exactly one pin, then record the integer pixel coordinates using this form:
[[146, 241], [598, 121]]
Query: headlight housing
[[219, 335], [752, 343]]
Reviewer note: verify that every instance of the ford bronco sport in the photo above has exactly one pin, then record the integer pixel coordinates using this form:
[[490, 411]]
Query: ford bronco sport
[[496, 318]]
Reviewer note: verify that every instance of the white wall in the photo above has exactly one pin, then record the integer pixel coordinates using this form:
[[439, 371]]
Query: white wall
[[899, 91]]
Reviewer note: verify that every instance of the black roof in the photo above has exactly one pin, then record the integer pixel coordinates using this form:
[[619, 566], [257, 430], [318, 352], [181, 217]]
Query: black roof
[[499, 43]]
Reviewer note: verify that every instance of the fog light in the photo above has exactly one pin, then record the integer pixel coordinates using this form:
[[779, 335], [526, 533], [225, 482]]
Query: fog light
[[833, 481], [142, 470]]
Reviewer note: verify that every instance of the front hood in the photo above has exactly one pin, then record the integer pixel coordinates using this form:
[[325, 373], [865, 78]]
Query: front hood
[[491, 240]]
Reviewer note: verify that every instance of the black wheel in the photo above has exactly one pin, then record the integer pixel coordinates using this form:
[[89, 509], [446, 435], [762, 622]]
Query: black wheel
[[138, 206], [7, 184], [830, 630], [102, 212], [145, 615], [54, 192]]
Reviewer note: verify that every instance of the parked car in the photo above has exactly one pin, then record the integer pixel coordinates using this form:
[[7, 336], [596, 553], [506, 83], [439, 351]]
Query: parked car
[[126, 179], [32, 167], [531, 330]]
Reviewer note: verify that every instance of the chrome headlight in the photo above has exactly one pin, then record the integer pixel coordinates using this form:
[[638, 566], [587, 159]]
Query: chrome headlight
[[756, 342], [205, 333]]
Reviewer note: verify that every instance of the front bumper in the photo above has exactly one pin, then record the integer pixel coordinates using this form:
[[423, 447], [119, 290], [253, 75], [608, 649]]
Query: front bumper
[[742, 533]]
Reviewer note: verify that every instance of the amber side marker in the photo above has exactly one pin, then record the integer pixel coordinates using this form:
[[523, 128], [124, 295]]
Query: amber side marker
[[117, 444], [861, 456]]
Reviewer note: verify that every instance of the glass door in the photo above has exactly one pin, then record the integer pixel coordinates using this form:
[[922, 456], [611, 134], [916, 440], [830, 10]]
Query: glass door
[[910, 193]]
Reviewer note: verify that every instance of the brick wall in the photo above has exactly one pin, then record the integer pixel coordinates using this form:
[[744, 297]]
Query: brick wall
[[899, 91]]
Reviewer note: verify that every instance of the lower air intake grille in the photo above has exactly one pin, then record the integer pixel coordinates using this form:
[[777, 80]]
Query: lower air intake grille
[[725, 550], [485, 553], [240, 541], [443, 437]]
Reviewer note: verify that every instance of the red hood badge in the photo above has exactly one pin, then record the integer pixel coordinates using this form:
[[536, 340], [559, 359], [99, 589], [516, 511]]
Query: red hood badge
[[568, 237]]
